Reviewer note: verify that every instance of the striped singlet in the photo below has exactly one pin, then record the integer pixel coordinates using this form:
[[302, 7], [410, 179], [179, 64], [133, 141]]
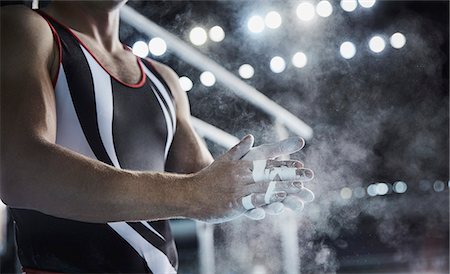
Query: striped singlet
[[129, 126]]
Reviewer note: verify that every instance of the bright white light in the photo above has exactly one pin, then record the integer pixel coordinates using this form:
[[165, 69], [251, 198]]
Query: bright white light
[[360, 192], [198, 36], [400, 187], [305, 11], [367, 3], [216, 34], [438, 186], [324, 9], [186, 83], [299, 60], [273, 20], [377, 44], [382, 189], [246, 71], [398, 40], [347, 50], [157, 46], [255, 24], [349, 5], [140, 48], [346, 193], [277, 64], [372, 190], [207, 78]]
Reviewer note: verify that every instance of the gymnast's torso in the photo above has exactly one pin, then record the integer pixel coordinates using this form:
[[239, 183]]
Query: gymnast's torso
[[128, 126]]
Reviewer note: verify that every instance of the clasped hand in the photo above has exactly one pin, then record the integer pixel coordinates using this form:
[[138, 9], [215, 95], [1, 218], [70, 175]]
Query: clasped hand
[[247, 180]]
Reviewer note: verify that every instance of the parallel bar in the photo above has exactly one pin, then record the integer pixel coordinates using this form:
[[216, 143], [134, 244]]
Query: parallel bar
[[202, 62], [214, 134]]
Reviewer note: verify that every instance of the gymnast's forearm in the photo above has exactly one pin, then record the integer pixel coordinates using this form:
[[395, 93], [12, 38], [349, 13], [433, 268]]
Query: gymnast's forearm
[[48, 178]]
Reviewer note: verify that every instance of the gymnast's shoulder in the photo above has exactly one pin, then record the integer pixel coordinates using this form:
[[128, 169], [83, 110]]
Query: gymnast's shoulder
[[23, 28]]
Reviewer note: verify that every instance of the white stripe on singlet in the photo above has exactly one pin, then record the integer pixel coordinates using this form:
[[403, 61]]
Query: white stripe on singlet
[[156, 260], [164, 93], [69, 133], [103, 105], [170, 128]]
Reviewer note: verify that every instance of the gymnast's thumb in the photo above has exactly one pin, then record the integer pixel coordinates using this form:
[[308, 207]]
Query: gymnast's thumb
[[239, 150]]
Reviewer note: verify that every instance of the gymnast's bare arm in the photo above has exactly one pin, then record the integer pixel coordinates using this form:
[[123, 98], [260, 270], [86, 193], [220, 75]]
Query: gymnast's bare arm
[[38, 174]]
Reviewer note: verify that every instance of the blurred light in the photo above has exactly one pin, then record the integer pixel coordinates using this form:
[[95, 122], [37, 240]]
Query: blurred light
[[346, 193], [305, 11], [359, 192], [157, 46], [398, 40], [299, 60], [367, 3], [372, 190], [424, 185], [277, 64], [198, 36], [246, 71], [207, 78], [377, 44], [216, 34], [255, 24], [400, 187], [349, 5], [448, 183], [140, 48], [186, 83], [347, 50], [438, 186], [382, 188], [273, 20], [324, 9]]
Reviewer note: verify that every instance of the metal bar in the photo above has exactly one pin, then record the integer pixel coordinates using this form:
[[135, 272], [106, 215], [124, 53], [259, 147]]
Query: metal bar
[[214, 134], [202, 62], [288, 227]]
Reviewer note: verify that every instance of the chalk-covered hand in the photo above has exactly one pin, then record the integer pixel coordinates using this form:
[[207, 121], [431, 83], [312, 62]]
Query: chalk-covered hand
[[217, 190], [296, 195]]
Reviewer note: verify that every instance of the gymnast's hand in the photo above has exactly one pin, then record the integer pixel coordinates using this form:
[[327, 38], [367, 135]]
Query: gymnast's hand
[[296, 195], [219, 191]]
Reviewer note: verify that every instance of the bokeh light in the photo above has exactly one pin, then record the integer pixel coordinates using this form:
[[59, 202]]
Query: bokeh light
[[438, 186], [198, 36], [207, 78], [299, 60], [140, 48], [255, 24], [216, 34], [186, 83], [306, 11], [398, 40], [372, 190], [324, 9], [346, 193], [400, 187], [359, 192], [157, 46], [377, 44], [273, 20], [382, 188], [349, 5], [347, 50], [277, 64], [367, 3], [246, 71]]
